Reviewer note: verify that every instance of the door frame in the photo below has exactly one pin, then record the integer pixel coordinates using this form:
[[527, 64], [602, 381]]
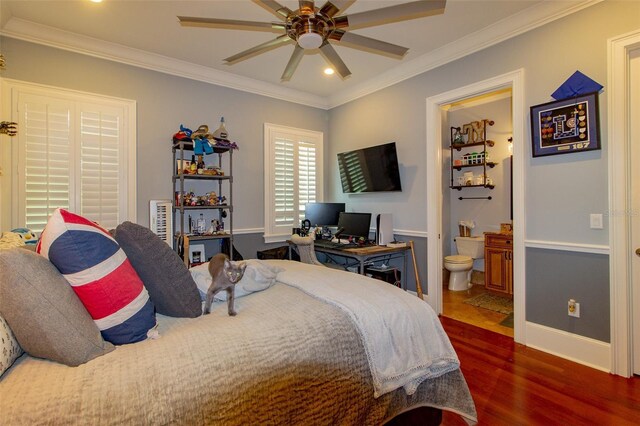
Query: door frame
[[434, 122], [619, 214]]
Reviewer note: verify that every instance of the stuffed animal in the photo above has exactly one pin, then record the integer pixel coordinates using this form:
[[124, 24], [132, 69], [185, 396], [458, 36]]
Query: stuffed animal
[[27, 235], [10, 240]]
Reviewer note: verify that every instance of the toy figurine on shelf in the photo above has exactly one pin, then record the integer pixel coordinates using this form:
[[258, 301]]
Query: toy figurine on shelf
[[458, 139]]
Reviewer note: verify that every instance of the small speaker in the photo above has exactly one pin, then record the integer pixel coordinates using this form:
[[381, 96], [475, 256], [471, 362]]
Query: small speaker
[[384, 229]]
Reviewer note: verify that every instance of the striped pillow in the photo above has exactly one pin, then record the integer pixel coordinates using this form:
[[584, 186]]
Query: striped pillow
[[100, 274]]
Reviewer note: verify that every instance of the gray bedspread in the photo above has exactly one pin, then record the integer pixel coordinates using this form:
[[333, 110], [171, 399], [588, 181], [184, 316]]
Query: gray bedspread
[[286, 358]]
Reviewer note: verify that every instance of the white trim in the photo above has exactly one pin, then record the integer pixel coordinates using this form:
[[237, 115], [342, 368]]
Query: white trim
[[276, 238], [434, 188], [564, 246], [248, 231], [129, 109], [274, 233], [49, 36], [410, 233], [538, 15], [619, 176], [590, 352]]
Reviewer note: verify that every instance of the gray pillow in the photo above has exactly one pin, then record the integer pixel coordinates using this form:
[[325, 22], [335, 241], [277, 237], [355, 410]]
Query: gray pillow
[[44, 313], [167, 279]]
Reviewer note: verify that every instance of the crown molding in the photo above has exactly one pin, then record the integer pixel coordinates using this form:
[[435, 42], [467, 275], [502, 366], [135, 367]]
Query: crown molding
[[526, 20], [48, 36], [515, 25]]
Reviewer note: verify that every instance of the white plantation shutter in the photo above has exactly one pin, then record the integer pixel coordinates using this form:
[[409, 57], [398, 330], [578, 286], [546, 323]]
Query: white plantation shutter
[[284, 190], [293, 177], [99, 166], [47, 158], [74, 152]]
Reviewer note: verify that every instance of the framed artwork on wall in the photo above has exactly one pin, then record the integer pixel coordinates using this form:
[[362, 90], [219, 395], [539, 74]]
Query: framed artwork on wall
[[566, 126]]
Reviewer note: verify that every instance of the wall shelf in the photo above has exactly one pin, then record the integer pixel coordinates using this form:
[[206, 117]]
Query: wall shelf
[[489, 164], [476, 133], [459, 187]]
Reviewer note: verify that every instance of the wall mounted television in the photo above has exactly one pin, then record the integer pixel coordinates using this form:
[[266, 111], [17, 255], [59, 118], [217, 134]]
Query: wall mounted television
[[372, 169]]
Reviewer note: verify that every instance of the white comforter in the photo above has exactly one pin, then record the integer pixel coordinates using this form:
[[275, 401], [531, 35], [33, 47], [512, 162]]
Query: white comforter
[[403, 346]]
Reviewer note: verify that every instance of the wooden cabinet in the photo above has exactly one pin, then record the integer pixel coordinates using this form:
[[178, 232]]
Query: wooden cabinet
[[498, 262]]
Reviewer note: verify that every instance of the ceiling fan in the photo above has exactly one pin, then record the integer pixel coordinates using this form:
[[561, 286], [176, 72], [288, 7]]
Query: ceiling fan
[[317, 28]]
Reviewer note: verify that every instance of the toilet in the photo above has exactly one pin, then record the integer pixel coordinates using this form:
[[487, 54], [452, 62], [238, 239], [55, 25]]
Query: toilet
[[460, 265]]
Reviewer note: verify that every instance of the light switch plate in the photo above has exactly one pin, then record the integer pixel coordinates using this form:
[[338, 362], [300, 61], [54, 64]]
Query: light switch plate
[[596, 221]]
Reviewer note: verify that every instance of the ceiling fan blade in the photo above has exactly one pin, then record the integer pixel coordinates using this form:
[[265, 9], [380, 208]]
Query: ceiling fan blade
[[335, 7], [356, 41], [401, 12], [230, 24], [296, 56], [261, 48], [274, 7], [334, 60]]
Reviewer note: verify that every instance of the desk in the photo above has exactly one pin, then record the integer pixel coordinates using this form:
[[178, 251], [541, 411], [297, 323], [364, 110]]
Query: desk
[[364, 255]]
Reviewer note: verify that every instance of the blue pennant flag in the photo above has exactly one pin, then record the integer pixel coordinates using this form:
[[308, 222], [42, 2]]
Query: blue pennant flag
[[576, 85]]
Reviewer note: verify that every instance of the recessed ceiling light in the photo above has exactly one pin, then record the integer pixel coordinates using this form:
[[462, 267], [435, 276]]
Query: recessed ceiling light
[[329, 71], [96, 1]]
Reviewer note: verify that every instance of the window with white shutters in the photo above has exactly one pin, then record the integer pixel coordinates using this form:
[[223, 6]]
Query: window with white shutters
[[293, 177], [75, 151]]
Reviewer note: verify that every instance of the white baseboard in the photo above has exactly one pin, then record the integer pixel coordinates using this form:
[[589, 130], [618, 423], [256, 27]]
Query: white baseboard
[[583, 350]]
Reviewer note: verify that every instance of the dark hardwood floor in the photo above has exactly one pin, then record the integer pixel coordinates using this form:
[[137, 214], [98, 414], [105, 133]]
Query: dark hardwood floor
[[515, 385]]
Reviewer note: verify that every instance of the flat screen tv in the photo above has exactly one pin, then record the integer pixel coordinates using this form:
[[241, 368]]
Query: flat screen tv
[[372, 169]]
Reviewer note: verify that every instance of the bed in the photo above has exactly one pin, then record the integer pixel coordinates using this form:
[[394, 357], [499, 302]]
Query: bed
[[303, 351]]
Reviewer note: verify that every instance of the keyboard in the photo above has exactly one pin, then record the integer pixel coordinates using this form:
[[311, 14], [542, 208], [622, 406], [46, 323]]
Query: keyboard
[[329, 244]]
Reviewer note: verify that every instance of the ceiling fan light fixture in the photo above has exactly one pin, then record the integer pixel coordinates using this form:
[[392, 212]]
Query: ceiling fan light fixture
[[310, 40]]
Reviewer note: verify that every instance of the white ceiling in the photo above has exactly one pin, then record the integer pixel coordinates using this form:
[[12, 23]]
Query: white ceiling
[[146, 33]]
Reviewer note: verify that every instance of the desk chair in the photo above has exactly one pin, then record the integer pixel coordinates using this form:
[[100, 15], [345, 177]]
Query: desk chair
[[307, 252]]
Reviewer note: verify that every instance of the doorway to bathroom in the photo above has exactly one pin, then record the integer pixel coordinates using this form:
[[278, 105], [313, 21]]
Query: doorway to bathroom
[[438, 193], [477, 211]]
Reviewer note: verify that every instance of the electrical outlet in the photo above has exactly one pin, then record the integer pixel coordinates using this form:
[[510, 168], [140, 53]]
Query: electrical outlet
[[573, 308], [596, 221]]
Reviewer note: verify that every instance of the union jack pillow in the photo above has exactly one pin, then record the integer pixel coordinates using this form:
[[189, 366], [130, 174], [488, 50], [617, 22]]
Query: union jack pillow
[[100, 274]]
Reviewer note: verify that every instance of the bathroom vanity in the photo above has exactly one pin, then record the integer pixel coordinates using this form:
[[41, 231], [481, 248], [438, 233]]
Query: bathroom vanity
[[498, 262]]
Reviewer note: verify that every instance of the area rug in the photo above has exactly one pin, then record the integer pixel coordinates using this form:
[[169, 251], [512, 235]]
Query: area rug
[[492, 302], [508, 321]]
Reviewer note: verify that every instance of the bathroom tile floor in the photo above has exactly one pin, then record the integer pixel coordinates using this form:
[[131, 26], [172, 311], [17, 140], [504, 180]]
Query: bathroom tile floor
[[453, 306]]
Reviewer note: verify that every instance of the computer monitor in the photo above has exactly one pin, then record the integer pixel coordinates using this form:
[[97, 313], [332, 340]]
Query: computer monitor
[[323, 214], [354, 224]]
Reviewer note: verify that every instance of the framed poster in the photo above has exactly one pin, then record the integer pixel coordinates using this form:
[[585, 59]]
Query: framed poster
[[566, 126]]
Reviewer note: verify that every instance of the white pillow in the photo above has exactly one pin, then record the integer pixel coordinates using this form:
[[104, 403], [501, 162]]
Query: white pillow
[[257, 276], [10, 350]]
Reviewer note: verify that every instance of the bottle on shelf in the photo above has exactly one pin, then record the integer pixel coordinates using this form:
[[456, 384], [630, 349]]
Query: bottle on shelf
[[221, 132], [200, 166], [193, 168], [201, 225]]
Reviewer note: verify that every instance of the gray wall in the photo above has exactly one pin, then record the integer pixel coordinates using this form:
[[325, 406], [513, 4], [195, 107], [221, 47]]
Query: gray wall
[[560, 191], [549, 271], [163, 103]]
